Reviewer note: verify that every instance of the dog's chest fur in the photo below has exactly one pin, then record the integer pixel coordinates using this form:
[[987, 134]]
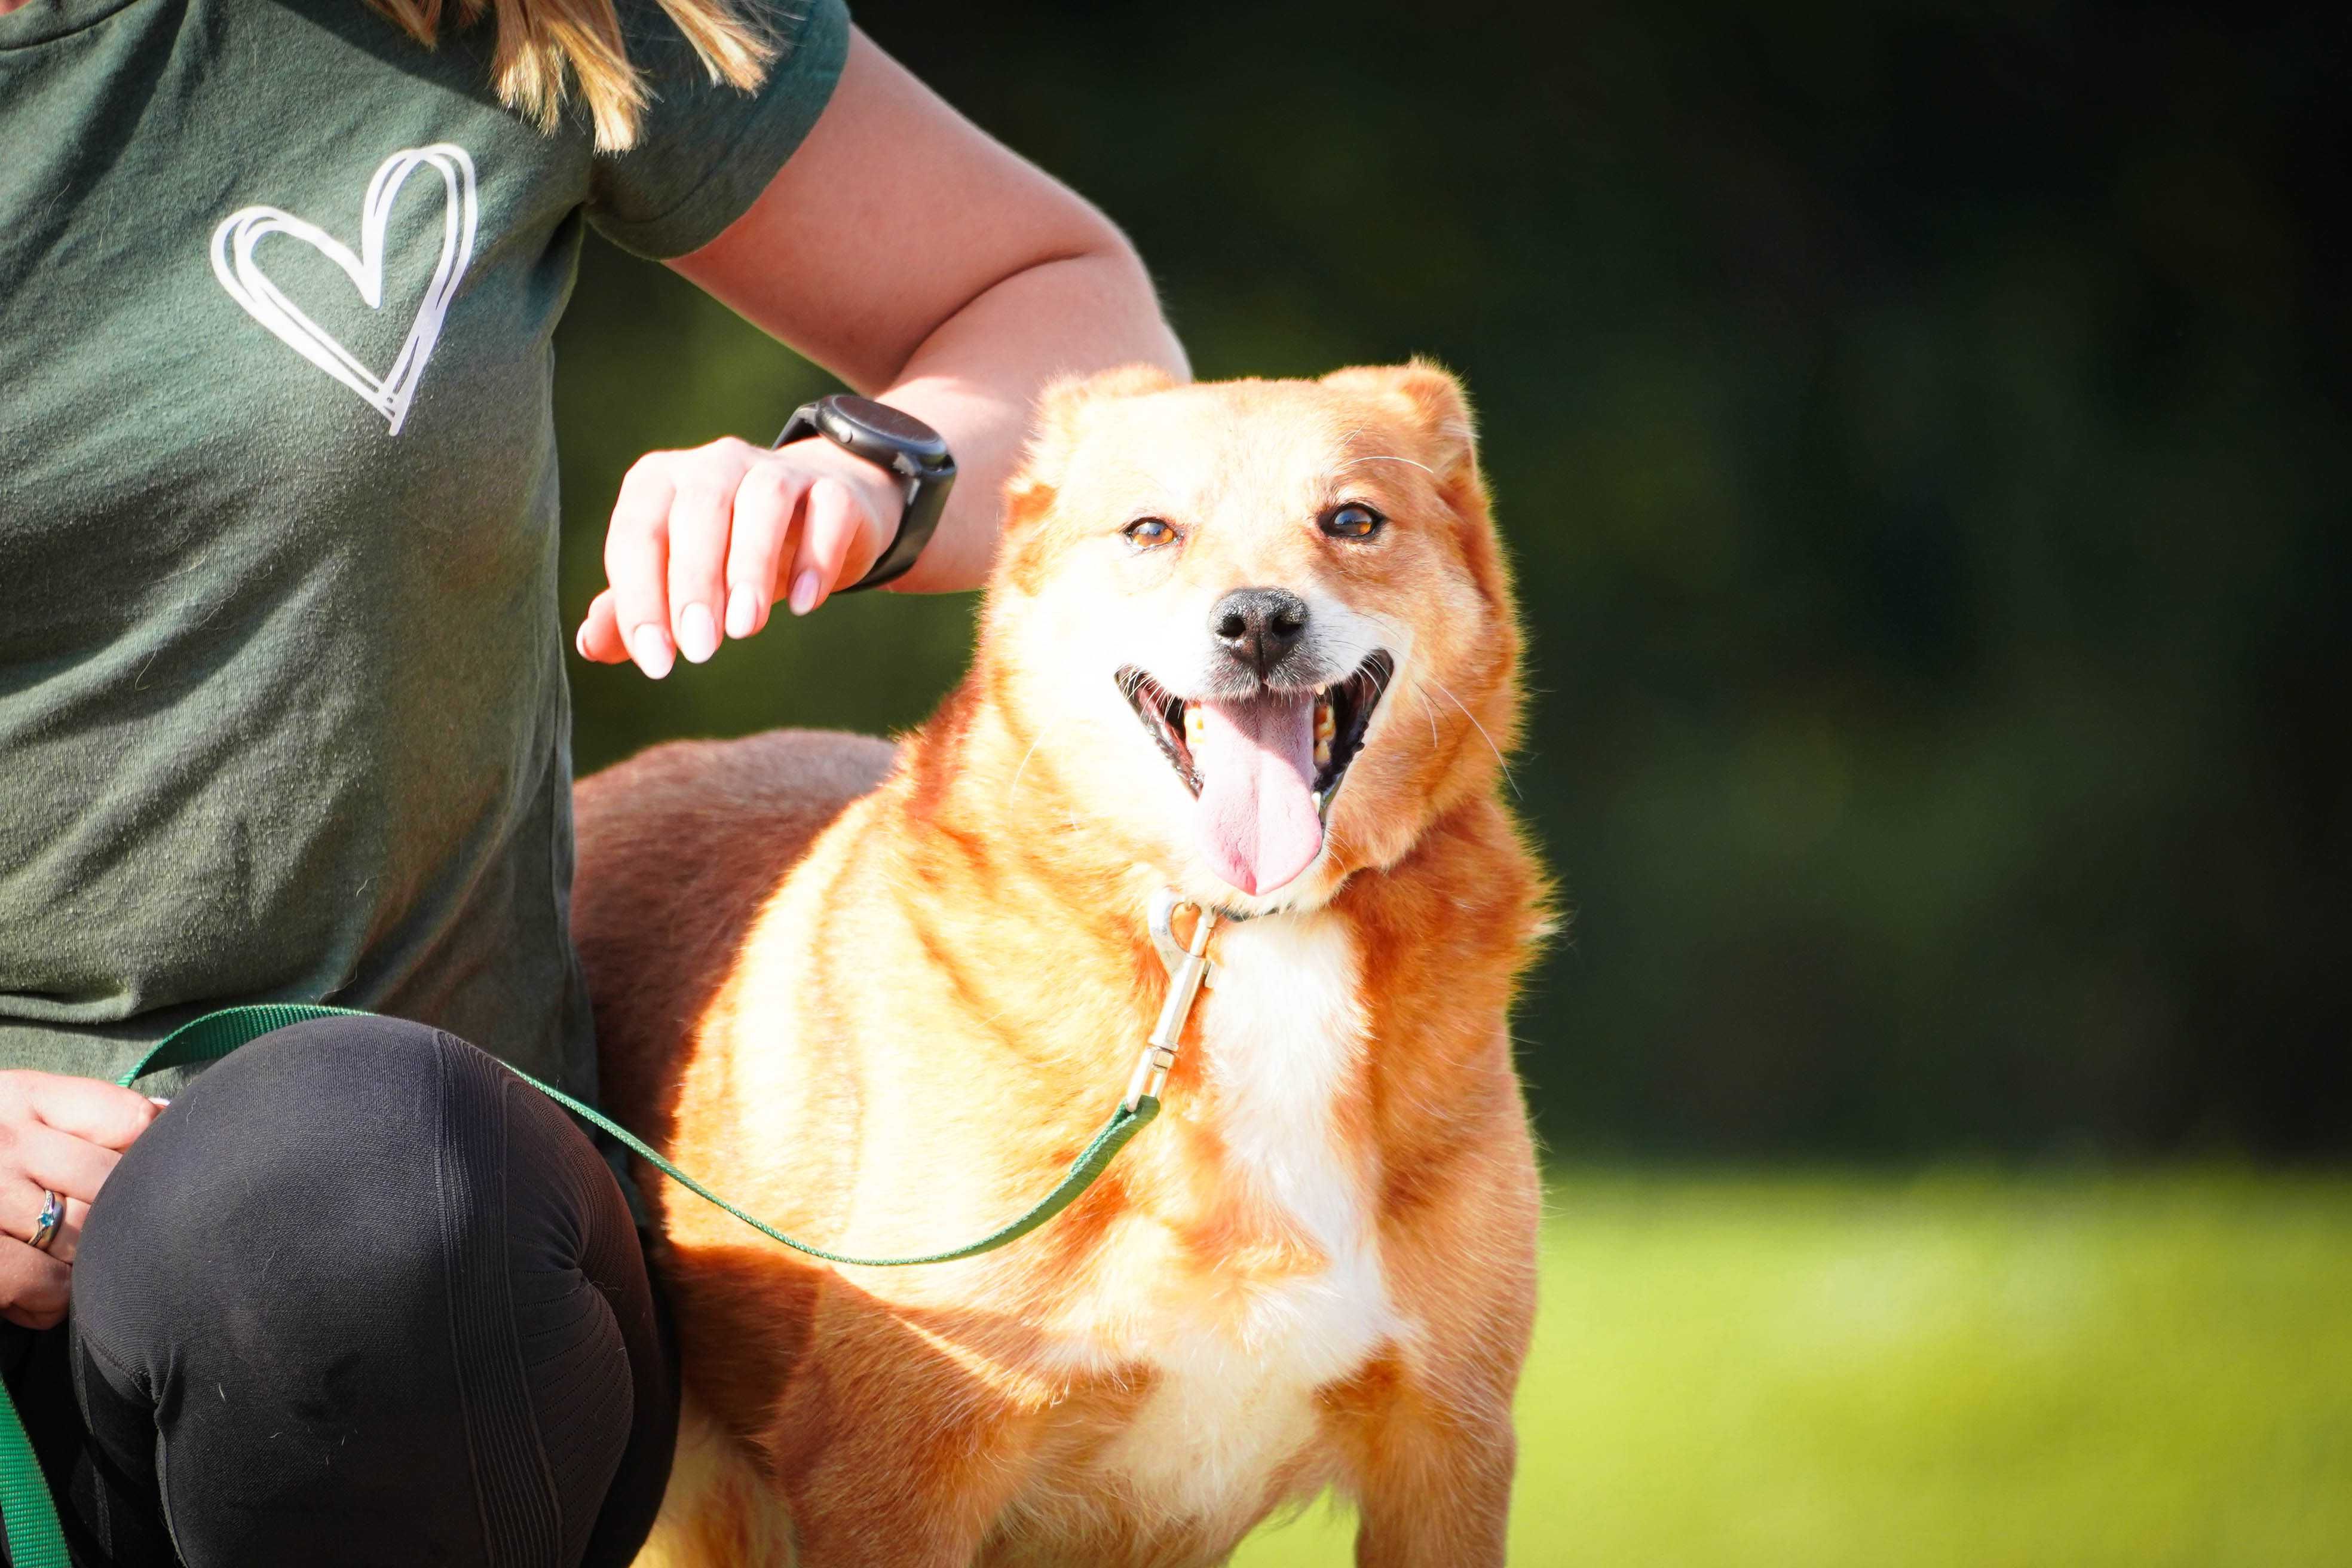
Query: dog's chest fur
[[1232, 1400]]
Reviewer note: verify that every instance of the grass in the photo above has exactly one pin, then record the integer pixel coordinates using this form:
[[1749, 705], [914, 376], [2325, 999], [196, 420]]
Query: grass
[[1954, 1371]]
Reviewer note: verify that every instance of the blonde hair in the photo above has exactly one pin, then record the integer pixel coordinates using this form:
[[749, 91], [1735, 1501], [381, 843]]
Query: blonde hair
[[543, 45]]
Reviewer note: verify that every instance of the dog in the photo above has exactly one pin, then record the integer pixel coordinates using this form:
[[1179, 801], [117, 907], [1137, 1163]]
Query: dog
[[1253, 642]]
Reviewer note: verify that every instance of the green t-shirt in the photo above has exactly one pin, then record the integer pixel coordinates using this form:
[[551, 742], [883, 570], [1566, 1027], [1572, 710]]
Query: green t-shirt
[[282, 704]]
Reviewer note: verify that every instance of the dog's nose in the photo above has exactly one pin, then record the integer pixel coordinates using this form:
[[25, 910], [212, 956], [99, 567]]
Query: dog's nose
[[1259, 625]]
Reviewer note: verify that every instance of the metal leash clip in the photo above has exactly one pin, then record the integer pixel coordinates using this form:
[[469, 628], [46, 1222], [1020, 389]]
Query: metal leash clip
[[1189, 970]]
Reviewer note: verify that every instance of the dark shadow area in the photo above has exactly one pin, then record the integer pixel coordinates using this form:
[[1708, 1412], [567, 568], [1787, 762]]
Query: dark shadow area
[[1922, 432]]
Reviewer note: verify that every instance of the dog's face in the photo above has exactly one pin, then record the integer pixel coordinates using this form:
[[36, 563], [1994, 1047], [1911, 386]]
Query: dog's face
[[1261, 628]]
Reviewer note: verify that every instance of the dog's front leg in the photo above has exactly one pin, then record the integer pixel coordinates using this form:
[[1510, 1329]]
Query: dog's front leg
[[879, 1514], [1437, 1491], [892, 1462], [1434, 1444]]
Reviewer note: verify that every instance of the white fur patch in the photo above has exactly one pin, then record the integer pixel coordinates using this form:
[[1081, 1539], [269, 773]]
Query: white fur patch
[[1281, 1033]]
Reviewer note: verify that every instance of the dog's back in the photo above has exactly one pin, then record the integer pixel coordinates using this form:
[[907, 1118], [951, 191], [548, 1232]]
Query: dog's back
[[687, 840]]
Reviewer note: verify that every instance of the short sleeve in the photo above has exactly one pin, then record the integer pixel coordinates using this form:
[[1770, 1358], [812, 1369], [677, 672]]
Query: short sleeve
[[705, 151]]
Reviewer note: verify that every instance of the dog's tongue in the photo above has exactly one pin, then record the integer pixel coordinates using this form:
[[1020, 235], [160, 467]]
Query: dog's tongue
[[1256, 820]]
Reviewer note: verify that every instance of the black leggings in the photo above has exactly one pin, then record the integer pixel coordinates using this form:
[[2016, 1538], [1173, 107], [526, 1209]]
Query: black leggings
[[359, 1297]]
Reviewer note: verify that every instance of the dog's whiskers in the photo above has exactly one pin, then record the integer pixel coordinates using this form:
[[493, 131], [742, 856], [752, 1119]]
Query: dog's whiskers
[[1387, 458], [1015, 787], [1482, 733]]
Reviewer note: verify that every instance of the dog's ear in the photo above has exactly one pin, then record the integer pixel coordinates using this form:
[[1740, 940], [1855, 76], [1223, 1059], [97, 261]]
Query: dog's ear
[[1054, 429], [1429, 397], [1429, 401]]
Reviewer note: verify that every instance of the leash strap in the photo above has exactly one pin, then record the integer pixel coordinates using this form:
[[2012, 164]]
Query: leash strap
[[215, 1035], [35, 1537]]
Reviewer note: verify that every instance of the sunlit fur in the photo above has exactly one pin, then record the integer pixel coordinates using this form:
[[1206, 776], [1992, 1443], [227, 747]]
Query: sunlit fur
[[882, 997]]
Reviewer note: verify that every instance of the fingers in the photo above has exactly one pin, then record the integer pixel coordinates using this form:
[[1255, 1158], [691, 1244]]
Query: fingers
[[666, 557], [702, 542], [838, 543], [637, 563], [600, 632], [60, 1135], [34, 1287], [825, 539], [21, 1203], [698, 516], [38, 1161], [764, 505], [48, 1158], [104, 1114]]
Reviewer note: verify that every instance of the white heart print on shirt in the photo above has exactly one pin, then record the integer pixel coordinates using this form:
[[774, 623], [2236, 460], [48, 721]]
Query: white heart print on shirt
[[390, 394]]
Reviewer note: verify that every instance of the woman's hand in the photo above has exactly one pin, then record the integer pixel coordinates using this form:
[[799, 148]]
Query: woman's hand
[[709, 540], [60, 1135], [924, 264]]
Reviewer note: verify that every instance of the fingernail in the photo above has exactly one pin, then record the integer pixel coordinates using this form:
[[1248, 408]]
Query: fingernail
[[649, 645], [698, 637], [159, 1102], [579, 640], [804, 592], [742, 613]]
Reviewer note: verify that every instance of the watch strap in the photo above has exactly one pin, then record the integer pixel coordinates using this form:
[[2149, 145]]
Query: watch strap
[[923, 480]]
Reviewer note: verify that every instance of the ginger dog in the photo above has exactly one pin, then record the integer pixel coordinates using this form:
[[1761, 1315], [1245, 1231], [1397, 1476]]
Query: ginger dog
[[1251, 641]]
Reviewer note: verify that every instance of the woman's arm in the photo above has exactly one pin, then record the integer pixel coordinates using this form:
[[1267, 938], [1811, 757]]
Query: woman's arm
[[925, 265]]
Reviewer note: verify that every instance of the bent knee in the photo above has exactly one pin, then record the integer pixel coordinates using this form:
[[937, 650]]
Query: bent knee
[[317, 1163]]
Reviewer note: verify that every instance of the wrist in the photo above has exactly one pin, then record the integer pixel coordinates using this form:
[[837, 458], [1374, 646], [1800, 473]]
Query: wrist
[[911, 457], [878, 491]]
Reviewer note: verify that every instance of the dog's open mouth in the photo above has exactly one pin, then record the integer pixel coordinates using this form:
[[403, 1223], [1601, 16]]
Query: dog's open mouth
[[1262, 769]]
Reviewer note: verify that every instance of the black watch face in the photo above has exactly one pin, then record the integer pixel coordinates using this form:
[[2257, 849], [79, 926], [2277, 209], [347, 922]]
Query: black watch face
[[898, 428]]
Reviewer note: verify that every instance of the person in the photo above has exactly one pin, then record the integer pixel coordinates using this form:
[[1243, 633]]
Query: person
[[283, 713]]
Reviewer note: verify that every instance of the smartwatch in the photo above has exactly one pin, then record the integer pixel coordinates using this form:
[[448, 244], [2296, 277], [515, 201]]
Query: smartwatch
[[915, 454]]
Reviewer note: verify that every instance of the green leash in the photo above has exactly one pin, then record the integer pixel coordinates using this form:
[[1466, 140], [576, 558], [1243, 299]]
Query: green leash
[[215, 1035], [35, 1537]]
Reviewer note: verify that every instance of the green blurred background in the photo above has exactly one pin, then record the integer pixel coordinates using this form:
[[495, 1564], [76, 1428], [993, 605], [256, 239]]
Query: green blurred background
[[1922, 432]]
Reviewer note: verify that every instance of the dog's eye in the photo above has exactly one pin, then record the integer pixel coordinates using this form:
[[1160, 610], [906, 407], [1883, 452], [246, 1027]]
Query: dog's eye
[[1145, 532], [1352, 521]]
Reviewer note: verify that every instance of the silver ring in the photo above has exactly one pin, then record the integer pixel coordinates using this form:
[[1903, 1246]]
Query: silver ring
[[53, 1214]]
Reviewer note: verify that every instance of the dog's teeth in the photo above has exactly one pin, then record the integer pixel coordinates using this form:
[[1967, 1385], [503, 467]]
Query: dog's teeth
[[1323, 752], [1194, 725], [1325, 725]]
